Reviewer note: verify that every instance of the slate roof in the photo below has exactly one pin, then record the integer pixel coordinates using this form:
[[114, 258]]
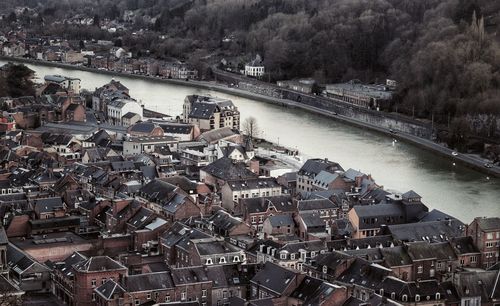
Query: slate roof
[[176, 128], [312, 291], [130, 115], [366, 211], [313, 167], [331, 260], [365, 274], [411, 195], [203, 110], [312, 220], [189, 275], [324, 178], [99, 263], [477, 283], [252, 184], [489, 224], [216, 134], [214, 247], [315, 204], [143, 127], [226, 169], [48, 205], [281, 220], [395, 256], [283, 203], [424, 250], [224, 221], [109, 289], [274, 278], [464, 245], [435, 231], [149, 281], [3, 236]]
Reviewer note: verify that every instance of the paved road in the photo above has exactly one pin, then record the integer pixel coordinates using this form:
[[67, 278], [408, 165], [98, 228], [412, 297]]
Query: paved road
[[467, 160]]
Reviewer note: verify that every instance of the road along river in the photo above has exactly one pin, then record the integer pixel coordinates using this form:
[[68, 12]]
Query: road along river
[[454, 189]]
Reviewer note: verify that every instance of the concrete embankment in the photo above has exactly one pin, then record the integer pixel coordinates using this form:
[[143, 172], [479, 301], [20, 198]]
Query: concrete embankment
[[467, 160]]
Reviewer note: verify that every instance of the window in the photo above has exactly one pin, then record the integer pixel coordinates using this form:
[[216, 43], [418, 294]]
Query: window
[[209, 261], [103, 281], [236, 258], [222, 260], [167, 298], [183, 296], [489, 236], [462, 261], [253, 219], [420, 269], [439, 265], [204, 293], [224, 294], [93, 296], [93, 283], [393, 295], [473, 259], [325, 269], [438, 296], [148, 296], [313, 254], [282, 256], [405, 298], [417, 298], [292, 256], [137, 302], [490, 244]]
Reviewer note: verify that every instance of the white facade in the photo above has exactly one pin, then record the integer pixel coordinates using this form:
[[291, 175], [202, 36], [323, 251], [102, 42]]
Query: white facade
[[119, 107], [138, 145], [254, 70]]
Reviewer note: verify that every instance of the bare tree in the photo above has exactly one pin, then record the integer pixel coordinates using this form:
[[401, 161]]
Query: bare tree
[[250, 127]]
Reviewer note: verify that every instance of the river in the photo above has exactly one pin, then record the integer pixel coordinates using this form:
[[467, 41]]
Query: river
[[456, 190]]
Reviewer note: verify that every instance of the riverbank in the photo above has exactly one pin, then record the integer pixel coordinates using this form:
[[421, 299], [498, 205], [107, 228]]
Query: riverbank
[[469, 161]]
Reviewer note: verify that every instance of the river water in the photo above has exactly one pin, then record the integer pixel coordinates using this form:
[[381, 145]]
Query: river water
[[456, 190]]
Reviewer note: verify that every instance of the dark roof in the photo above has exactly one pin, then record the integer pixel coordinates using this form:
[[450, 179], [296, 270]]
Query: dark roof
[[224, 221], [283, 203], [312, 290], [130, 115], [363, 273], [488, 224], [274, 277], [202, 110], [226, 169], [410, 195], [314, 166], [109, 289], [99, 263], [315, 204], [143, 127], [425, 250], [189, 275], [253, 183], [431, 231], [214, 247], [48, 204], [281, 220], [176, 128], [3, 236], [464, 245], [149, 281]]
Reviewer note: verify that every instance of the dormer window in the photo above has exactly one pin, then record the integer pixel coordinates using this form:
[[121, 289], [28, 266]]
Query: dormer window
[[405, 298], [438, 296], [417, 298], [209, 261], [222, 260], [282, 256], [325, 269], [236, 259]]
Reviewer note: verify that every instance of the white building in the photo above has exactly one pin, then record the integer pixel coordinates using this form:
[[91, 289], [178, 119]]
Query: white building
[[70, 84], [147, 144], [255, 68], [234, 190], [119, 107]]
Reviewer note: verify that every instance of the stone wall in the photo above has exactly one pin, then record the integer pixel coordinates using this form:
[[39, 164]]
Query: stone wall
[[380, 119]]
